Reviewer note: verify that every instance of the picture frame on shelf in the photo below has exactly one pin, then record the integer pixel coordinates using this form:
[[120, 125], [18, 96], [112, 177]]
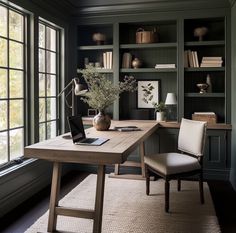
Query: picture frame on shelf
[[148, 92]]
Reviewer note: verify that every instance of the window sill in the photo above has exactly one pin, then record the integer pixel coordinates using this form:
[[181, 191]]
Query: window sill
[[14, 167]]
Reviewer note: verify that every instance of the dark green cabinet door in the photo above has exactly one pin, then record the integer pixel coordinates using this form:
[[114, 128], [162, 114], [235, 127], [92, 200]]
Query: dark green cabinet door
[[215, 156]]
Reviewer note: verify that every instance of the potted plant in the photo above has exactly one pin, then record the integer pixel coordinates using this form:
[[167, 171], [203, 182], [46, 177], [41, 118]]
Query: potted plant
[[102, 92], [159, 110]]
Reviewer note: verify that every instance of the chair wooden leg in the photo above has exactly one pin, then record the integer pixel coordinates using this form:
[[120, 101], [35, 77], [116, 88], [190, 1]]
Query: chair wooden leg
[[147, 174], [167, 194], [201, 188], [179, 184]]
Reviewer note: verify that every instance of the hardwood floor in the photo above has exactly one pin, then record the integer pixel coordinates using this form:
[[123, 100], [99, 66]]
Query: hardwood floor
[[26, 214]]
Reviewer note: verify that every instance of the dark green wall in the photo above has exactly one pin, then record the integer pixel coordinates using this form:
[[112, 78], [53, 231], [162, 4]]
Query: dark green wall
[[233, 88]]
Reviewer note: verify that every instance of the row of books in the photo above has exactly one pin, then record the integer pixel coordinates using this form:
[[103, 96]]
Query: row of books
[[191, 60], [107, 60]]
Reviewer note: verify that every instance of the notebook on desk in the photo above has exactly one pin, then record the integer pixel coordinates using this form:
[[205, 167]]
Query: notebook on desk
[[78, 134]]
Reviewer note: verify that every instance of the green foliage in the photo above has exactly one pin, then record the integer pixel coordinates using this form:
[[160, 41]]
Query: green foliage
[[161, 107], [102, 92]]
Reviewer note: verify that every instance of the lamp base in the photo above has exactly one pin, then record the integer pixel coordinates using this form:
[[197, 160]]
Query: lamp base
[[67, 136]]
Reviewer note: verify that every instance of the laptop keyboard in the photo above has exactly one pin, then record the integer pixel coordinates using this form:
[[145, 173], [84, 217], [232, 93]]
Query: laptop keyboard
[[89, 140]]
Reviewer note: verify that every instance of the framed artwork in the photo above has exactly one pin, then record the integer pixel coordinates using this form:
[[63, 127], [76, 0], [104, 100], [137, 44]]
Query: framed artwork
[[148, 92]]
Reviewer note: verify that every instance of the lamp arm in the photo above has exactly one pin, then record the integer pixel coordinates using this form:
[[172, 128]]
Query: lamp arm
[[65, 88]]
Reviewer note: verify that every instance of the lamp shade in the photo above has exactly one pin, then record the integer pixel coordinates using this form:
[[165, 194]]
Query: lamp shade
[[170, 99], [79, 89]]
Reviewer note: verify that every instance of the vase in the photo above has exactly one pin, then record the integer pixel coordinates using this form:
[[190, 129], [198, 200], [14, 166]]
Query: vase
[[160, 116], [136, 63], [101, 121]]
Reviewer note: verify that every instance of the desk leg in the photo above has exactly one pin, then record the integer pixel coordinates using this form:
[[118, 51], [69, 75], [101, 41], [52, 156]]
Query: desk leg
[[142, 154], [55, 188], [97, 226]]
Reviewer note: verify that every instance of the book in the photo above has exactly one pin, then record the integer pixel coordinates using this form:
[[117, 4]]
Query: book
[[190, 58], [204, 113], [186, 63], [212, 58], [105, 60], [163, 66], [194, 60]]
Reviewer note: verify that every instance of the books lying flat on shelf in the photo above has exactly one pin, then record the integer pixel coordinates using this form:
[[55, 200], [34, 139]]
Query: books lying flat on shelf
[[212, 62], [164, 66], [107, 60], [126, 60]]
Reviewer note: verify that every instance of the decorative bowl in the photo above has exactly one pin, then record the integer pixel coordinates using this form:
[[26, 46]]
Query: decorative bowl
[[203, 87], [200, 32]]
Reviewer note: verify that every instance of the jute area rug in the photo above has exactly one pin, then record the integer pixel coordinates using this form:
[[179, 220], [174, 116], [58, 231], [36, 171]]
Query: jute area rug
[[127, 209]]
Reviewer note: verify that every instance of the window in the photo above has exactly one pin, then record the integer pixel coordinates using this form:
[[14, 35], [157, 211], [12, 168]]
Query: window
[[12, 83], [48, 80]]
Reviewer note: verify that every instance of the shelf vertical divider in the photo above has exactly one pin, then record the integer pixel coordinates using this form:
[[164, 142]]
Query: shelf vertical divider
[[116, 65], [180, 66]]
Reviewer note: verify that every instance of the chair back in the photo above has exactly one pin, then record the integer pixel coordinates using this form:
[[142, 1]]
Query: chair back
[[192, 135]]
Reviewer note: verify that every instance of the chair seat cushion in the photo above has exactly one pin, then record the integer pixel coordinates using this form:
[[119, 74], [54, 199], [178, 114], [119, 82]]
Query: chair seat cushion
[[172, 163]]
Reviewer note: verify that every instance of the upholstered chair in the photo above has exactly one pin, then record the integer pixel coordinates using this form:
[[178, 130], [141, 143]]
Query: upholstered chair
[[188, 162]]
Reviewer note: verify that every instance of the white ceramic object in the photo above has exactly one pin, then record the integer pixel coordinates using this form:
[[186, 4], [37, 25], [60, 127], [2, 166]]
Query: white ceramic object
[[160, 116]]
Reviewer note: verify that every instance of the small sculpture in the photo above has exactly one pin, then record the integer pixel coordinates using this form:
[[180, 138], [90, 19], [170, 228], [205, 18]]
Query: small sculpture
[[200, 32], [202, 87], [99, 38]]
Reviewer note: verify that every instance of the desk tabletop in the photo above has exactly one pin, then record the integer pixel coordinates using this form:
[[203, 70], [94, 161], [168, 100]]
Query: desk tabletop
[[116, 150]]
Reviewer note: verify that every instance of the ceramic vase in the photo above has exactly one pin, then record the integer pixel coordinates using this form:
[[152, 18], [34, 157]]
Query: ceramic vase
[[101, 121]]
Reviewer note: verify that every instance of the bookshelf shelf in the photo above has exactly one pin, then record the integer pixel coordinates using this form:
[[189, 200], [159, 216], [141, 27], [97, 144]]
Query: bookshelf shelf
[[201, 69], [146, 46], [95, 47], [148, 70], [205, 43], [205, 95]]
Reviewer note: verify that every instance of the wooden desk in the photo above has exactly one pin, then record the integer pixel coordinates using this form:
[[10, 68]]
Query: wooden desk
[[115, 151]]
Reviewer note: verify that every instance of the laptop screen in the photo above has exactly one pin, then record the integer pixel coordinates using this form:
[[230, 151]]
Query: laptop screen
[[76, 128]]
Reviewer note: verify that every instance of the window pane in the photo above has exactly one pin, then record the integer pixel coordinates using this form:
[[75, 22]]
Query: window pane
[[41, 36], [3, 147], [51, 108], [42, 109], [51, 85], [51, 129], [16, 113], [42, 131], [42, 85], [3, 21], [3, 52], [51, 62], [41, 60], [3, 83], [15, 26], [3, 115], [51, 39], [16, 55], [16, 84], [16, 143]]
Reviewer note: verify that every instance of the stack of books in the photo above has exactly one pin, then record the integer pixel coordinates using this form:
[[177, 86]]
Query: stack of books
[[107, 60], [190, 59], [164, 66], [212, 62]]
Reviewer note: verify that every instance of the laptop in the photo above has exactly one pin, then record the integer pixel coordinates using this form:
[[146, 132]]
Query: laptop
[[78, 134]]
